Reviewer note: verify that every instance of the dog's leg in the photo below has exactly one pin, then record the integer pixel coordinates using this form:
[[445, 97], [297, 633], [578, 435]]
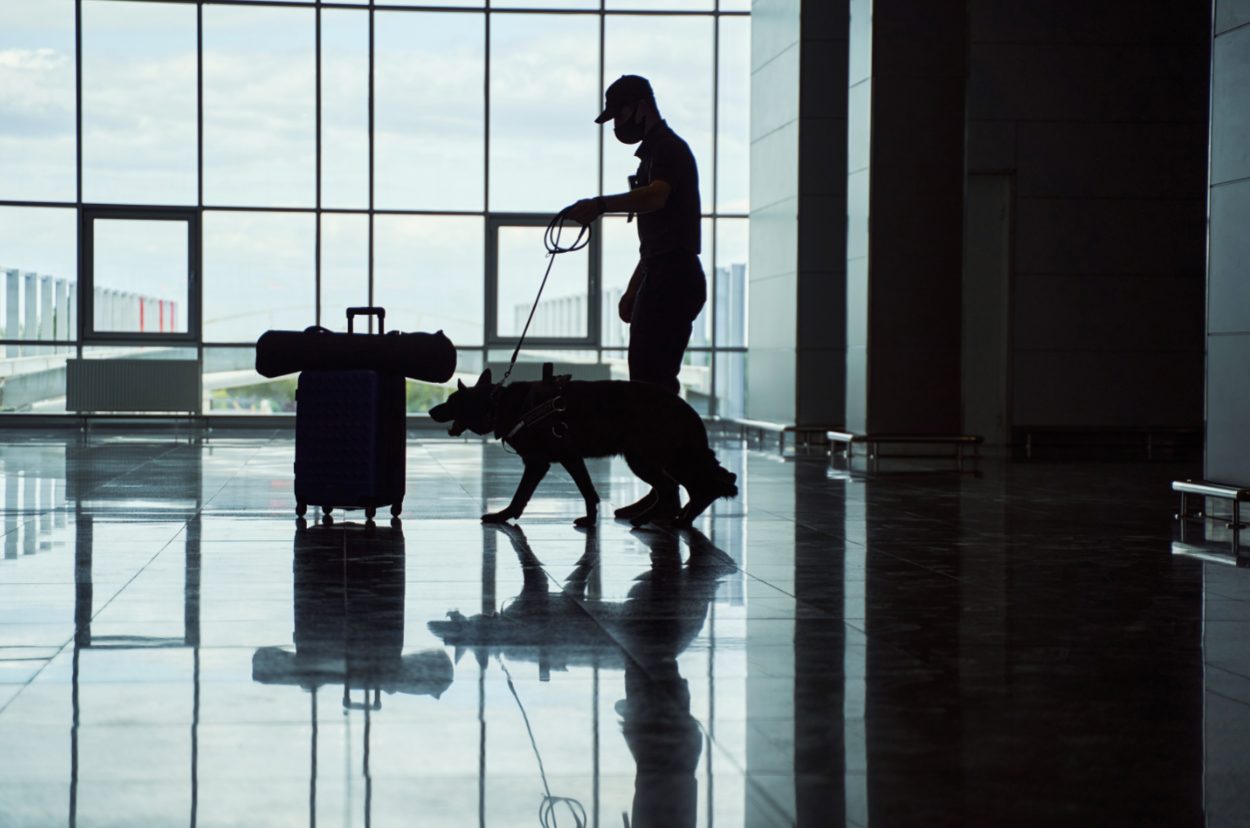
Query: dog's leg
[[666, 503], [577, 470], [535, 470]]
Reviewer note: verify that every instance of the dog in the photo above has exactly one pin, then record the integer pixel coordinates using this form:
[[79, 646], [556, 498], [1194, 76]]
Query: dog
[[565, 421]]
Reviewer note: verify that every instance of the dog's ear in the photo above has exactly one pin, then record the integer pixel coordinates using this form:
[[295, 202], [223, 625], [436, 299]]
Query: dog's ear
[[484, 379], [459, 385]]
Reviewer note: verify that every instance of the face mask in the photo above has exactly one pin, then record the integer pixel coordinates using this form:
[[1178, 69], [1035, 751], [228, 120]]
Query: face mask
[[629, 133], [630, 130]]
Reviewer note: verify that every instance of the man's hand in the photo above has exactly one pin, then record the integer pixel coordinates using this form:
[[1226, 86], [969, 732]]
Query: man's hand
[[584, 211], [626, 307]]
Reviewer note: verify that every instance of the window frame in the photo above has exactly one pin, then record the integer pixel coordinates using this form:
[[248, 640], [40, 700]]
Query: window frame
[[495, 221], [87, 333]]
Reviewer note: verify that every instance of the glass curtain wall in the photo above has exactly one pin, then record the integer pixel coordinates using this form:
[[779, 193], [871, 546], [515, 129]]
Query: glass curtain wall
[[325, 155]]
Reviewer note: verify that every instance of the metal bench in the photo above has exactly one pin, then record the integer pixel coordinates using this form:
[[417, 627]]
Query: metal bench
[[802, 434], [960, 442], [1204, 488]]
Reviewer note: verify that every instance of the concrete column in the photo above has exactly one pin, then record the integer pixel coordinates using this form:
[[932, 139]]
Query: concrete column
[[905, 180], [30, 536], [30, 316], [61, 312], [12, 311], [104, 309], [10, 509], [46, 508], [798, 218], [1228, 289], [71, 312], [47, 322]]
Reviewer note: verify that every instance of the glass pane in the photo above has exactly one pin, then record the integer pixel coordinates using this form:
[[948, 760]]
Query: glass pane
[[732, 243], [139, 104], [428, 274], [544, 4], [139, 275], [344, 109], [34, 379], [344, 266], [430, 114], [735, 5], [545, 95], [39, 269], [259, 273], [37, 150], [232, 386], [675, 54], [620, 257], [619, 243], [731, 384], [260, 112], [696, 380], [734, 130], [563, 309], [450, 3], [662, 5], [701, 330]]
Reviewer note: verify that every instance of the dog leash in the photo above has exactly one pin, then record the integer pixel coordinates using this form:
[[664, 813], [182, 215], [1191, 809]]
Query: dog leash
[[547, 810], [551, 242]]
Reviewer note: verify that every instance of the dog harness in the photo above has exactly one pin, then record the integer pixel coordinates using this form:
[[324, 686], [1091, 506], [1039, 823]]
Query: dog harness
[[555, 405]]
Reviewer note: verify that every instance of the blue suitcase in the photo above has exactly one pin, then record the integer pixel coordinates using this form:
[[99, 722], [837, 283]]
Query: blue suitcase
[[350, 440]]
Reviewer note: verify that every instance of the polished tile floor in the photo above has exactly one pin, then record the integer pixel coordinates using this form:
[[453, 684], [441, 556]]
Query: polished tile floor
[[1027, 645]]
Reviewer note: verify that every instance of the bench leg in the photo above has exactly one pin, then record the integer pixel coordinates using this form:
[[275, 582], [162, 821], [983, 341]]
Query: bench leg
[[1236, 524]]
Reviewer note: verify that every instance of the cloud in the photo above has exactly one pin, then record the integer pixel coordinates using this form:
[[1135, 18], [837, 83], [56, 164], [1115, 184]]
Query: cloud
[[36, 93]]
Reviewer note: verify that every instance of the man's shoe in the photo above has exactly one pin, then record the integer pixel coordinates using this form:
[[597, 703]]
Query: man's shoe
[[636, 508]]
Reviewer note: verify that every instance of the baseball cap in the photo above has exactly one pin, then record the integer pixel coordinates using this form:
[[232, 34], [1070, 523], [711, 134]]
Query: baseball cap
[[625, 90]]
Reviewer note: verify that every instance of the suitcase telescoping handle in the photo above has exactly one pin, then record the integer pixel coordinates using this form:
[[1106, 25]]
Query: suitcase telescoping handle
[[352, 313]]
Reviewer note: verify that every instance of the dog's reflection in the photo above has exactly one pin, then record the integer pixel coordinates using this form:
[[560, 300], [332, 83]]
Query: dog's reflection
[[349, 618], [644, 634]]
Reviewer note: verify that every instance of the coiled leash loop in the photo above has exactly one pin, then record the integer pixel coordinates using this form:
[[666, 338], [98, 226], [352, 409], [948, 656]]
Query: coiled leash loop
[[551, 241]]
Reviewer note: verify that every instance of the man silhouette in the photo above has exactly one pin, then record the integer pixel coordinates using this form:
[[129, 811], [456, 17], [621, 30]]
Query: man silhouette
[[668, 287]]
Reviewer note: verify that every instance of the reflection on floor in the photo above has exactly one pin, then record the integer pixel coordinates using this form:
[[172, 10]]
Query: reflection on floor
[[914, 646]]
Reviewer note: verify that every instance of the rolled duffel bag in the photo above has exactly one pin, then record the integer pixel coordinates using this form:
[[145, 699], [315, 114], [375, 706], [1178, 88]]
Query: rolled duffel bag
[[429, 357]]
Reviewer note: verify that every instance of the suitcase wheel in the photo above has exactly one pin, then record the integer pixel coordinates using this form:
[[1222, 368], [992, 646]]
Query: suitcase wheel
[[370, 512], [300, 509], [326, 520], [396, 508]]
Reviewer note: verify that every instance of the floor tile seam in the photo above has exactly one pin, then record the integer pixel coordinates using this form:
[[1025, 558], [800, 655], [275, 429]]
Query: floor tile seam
[[31, 679], [132, 469], [868, 549], [447, 472], [238, 470], [1017, 502], [1211, 666], [1228, 698], [105, 605]]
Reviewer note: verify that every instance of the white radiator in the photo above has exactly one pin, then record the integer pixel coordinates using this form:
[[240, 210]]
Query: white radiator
[[106, 385]]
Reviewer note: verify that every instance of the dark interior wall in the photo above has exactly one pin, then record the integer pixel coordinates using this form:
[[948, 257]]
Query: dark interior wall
[[1099, 112], [820, 345], [1228, 276]]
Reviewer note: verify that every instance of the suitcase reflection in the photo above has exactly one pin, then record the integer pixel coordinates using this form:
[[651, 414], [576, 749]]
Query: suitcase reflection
[[349, 619]]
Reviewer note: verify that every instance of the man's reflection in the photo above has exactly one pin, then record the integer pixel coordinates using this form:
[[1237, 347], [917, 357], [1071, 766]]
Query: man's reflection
[[663, 612], [349, 618]]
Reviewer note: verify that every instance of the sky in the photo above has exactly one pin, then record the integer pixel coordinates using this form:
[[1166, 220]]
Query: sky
[[139, 120]]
